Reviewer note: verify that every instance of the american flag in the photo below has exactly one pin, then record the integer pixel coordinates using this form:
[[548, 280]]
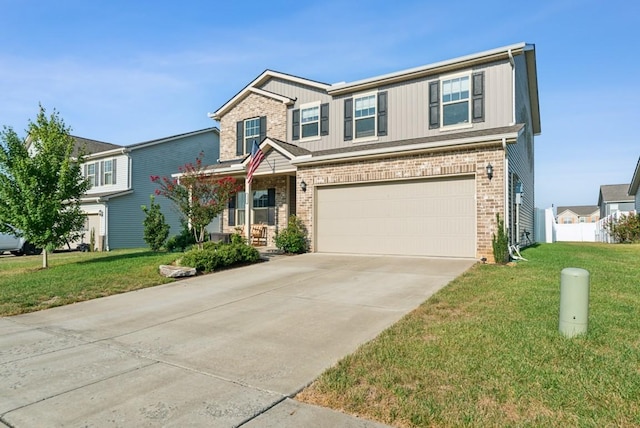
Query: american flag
[[256, 158]]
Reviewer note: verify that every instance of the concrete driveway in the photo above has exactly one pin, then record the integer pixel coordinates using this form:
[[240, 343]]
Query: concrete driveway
[[221, 350]]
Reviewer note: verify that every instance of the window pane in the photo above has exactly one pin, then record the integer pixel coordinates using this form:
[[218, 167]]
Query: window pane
[[240, 215], [310, 130], [260, 215], [365, 106], [455, 113], [310, 114], [365, 127], [260, 199], [252, 128]]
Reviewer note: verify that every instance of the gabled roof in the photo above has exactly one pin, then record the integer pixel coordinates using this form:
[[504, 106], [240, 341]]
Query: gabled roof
[[254, 87], [91, 146], [580, 210], [614, 193], [125, 149], [506, 52], [635, 181]]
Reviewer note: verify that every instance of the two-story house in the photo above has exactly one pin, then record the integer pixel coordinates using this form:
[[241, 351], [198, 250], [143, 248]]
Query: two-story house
[[613, 198], [121, 184], [415, 162], [578, 214]]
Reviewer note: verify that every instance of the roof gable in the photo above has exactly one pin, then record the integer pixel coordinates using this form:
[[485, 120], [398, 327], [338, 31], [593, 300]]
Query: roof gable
[[614, 193], [254, 87], [580, 210]]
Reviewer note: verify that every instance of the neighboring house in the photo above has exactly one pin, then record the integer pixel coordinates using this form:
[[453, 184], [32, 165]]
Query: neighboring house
[[578, 214], [416, 162], [633, 187], [121, 183], [613, 198]]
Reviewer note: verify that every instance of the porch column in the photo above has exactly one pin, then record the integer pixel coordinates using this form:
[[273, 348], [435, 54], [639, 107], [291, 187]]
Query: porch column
[[248, 205]]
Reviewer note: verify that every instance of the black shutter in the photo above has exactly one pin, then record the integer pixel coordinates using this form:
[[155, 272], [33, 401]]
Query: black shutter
[[295, 120], [434, 105], [102, 173], [324, 119], [239, 138], [263, 128], [348, 119], [478, 97], [271, 206], [382, 113], [232, 211], [113, 171]]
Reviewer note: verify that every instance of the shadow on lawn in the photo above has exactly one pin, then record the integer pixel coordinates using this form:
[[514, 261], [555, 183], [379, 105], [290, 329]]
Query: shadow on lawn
[[116, 257]]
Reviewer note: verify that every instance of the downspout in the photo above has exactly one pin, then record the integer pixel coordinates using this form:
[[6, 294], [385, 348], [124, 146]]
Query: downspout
[[506, 183], [513, 87]]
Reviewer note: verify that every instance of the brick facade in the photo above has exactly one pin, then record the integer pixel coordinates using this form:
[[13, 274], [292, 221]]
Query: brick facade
[[490, 197], [253, 105], [278, 182]]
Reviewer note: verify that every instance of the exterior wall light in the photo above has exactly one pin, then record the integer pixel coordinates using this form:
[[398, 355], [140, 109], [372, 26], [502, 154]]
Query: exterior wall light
[[303, 186], [489, 171]]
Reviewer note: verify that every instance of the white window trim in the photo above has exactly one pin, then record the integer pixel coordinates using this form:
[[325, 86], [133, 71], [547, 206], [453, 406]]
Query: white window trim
[[469, 123], [257, 137], [304, 107], [92, 177], [373, 137], [104, 173]]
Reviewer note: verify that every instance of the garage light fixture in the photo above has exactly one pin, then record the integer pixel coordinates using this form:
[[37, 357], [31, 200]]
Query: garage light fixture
[[303, 186], [489, 171]]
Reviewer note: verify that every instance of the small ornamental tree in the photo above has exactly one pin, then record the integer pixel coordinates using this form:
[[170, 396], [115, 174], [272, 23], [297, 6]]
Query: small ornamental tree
[[156, 229], [198, 197], [40, 187], [500, 243]]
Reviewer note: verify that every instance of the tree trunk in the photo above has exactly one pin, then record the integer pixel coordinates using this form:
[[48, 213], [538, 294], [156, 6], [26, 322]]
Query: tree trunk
[[45, 258]]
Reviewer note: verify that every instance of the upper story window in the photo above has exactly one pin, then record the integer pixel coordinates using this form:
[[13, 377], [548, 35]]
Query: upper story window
[[108, 176], [249, 130], [91, 174], [456, 101], [310, 121], [365, 116]]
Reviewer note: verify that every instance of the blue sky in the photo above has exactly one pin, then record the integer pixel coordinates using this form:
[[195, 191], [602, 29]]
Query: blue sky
[[126, 72]]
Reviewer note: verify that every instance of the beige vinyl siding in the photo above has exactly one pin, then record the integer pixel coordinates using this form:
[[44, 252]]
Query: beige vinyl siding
[[407, 110], [301, 93], [429, 217], [274, 162]]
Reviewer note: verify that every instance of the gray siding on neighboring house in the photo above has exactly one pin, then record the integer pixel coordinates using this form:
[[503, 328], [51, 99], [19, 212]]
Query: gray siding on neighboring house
[[521, 154], [125, 216]]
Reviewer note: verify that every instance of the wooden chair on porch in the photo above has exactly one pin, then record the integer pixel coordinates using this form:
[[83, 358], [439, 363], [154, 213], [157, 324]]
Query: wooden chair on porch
[[258, 234]]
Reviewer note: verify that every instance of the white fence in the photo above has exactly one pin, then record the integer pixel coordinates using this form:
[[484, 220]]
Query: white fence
[[577, 232], [602, 234]]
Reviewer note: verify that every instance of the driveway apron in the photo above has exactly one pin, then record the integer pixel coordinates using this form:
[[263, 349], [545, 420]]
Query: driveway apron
[[221, 350]]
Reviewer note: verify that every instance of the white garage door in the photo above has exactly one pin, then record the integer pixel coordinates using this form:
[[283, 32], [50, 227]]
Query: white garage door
[[434, 217]]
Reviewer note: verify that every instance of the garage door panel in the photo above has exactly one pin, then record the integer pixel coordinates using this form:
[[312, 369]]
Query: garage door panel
[[427, 217]]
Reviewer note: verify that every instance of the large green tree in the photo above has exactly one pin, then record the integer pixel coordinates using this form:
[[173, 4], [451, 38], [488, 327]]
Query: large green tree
[[41, 184]]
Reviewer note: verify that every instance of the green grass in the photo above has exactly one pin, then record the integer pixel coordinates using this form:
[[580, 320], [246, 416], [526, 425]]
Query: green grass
[[486, 351], [74, 277]]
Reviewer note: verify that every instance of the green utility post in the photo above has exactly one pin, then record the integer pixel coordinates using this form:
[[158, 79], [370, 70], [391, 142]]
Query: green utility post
[[574, 301]]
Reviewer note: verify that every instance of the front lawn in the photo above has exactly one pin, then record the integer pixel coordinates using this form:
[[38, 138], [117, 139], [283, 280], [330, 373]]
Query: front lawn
[[74, 277], [485, 351]]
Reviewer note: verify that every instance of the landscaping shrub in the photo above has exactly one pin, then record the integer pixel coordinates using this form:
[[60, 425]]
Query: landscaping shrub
[[217, 255], [183, 241], [293, 239], [156, 229], [500, 243], [626, 229]]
